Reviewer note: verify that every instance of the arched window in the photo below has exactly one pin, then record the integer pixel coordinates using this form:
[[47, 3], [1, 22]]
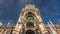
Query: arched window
[[29, 24], [30, 15], [30, 32]]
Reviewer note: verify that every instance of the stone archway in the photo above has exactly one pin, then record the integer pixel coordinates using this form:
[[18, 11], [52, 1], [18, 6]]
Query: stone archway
[[30, 32]]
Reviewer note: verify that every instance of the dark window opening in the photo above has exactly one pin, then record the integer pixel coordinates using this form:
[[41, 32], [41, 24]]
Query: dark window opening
[[30, 32], [29, 12], [30, 24]]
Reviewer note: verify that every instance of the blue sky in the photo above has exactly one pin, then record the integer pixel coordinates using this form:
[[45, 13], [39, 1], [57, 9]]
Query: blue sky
[[10, 9]]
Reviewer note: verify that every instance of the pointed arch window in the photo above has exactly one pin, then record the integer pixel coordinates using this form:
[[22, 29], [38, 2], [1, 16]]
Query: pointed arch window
[[30, 15]]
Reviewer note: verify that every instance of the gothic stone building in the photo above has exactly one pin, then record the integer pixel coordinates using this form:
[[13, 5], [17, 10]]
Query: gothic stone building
[[30, 22]]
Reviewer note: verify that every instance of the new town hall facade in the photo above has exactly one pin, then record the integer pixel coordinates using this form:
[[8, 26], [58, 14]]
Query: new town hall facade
[[30, 22]]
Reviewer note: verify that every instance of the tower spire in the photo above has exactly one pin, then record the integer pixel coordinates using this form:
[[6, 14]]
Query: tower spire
[[8, 23], [50, 21], [0, 22], [53, 31]]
